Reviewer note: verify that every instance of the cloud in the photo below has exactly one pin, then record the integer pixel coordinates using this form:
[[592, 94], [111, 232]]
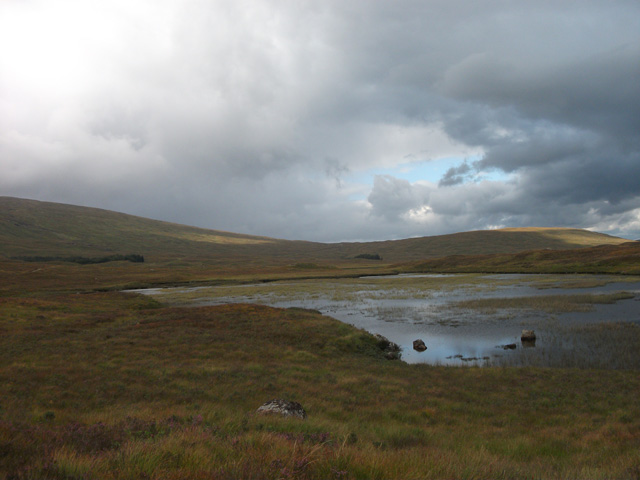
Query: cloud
[[257, 116], [392, 197], [455, 175]]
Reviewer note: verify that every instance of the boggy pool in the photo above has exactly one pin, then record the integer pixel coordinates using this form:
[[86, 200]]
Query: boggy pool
[[590, 321]]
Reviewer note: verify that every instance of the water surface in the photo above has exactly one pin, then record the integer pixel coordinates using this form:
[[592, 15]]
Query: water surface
[[404, 308]]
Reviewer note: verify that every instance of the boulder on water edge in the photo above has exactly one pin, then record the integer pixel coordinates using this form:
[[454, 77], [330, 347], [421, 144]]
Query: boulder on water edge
[[282, 407], [390, 349]]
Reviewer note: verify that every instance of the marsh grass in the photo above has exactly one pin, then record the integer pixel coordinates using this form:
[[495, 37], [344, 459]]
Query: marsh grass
[[578, 281], [611, 345], [333, 290], [389, 288], [543, 303], [109, 385]]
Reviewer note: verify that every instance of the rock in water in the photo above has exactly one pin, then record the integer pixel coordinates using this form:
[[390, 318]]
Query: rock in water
[[419, 346], [283, 407], [528, 336]]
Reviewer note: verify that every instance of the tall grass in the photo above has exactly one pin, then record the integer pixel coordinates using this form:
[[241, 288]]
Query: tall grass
[[596, 346], [109, 385], [543, 303]]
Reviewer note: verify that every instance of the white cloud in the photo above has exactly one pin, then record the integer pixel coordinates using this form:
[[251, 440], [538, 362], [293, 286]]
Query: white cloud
[[269, 117]]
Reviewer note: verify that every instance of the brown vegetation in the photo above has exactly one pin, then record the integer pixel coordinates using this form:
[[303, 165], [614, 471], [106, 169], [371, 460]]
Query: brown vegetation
[[99, 384], [28, 227], [621, 259], [111, 385]]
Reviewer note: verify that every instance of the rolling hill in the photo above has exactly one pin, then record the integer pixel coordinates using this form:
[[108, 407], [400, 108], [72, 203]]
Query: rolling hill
[[619, 259], [35, 228]]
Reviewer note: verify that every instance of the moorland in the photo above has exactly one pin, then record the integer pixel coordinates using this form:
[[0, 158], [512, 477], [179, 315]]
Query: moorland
[[96, 382]]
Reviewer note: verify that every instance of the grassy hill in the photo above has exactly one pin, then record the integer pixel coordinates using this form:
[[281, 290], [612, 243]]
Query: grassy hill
[[621, 258], [508, 240], [29, 228]]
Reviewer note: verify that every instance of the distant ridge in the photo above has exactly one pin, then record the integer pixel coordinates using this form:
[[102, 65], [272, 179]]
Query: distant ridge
[[31, 227]]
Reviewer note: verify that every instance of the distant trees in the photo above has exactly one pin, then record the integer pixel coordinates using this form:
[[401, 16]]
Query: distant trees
[[133, 257], [369, 256]]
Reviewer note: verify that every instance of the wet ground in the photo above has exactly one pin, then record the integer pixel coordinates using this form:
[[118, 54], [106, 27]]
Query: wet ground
[[436, 309]]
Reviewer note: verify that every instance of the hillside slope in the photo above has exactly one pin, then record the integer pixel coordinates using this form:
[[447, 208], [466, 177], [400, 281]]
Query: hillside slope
[[481, 242], [622, 258], [29, 227]]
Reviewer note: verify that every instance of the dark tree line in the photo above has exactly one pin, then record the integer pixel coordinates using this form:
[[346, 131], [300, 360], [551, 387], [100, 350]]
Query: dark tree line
[[369, 256], [133, 257]]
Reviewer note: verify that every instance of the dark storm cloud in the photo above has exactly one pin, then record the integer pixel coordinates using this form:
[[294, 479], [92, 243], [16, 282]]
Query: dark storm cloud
[[592, 93], [270, 117]]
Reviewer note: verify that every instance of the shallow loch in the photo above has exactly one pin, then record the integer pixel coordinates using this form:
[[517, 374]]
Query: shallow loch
[[588, 321]]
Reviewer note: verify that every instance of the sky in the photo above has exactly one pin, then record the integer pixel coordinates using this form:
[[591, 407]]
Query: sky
[[327, 120]]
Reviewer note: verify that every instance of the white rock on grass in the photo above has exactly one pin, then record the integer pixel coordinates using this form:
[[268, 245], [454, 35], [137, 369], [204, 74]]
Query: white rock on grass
[[282, 407]]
